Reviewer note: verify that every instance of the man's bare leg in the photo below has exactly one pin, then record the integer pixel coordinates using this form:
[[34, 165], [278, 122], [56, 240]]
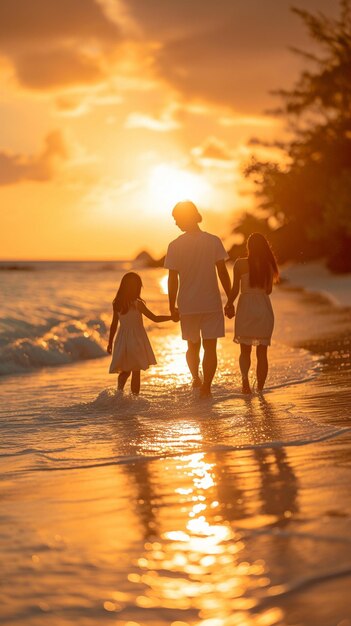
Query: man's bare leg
[[193, 361], [245, 362], [209, 365]]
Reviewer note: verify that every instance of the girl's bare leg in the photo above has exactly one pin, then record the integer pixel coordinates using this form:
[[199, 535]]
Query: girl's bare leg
[[245, 362], [135, 382], [122, 379], [193, 361], [262, 366]]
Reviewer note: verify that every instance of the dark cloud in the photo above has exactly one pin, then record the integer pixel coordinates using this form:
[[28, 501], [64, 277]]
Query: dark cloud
[[269, 21], [228, 52], [55, 43], [33, 20], [179, 18], [57, 68], [15, 168]]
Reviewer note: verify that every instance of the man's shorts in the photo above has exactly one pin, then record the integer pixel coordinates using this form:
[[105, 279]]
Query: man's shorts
[[206, 325]]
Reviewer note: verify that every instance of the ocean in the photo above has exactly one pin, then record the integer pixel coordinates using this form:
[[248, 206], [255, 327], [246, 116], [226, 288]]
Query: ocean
[[164, 508]]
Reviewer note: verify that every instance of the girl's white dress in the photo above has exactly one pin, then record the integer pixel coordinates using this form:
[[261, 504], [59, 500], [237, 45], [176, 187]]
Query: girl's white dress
[[254, 319], [132, 349]]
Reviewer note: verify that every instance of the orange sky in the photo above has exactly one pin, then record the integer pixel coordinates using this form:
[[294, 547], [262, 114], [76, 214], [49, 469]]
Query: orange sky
[[112, 110]]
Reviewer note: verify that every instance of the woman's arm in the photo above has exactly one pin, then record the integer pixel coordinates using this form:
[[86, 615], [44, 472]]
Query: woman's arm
[[269, 287], [229, 307], [151, 316], [113, 329], [236, 282]]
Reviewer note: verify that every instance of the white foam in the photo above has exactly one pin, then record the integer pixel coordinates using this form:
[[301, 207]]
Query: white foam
[[315, 277], [64, 343]]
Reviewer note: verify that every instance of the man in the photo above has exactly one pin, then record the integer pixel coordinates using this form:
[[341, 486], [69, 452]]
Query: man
[[193, 261]]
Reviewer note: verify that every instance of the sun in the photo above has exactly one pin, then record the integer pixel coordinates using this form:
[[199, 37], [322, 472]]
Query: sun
[[169, 184]]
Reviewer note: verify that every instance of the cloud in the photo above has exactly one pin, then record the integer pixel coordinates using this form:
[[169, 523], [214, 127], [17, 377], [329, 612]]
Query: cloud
[[47, 20], [248, 120], [226, 53], [218, 163], [57, 68], [57, 43], [213, 153], [15, 168], [214, 149], [164, 123], [220, 67], [81, 102]]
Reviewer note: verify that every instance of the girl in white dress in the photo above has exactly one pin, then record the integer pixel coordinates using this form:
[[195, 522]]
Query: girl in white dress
[[253, 277], [132, 350]]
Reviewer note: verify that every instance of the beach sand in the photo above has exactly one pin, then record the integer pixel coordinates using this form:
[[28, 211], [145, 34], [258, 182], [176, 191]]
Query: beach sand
[[167, 510]]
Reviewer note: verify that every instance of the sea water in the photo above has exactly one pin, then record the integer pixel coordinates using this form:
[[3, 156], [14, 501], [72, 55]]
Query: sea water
[[162, 508]]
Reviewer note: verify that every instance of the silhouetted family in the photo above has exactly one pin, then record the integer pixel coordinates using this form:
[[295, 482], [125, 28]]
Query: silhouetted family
[[195, 261]]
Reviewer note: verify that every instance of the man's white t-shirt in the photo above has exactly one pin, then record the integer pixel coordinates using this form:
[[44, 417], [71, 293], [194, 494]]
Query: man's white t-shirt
[[194, 257]]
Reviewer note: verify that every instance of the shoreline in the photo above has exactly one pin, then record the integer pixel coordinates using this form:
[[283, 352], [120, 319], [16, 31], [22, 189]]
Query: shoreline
[[314, 277]]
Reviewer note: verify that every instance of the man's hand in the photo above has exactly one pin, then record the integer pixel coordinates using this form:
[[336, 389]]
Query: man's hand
[[229, 310], [109, 348], [175, 315]]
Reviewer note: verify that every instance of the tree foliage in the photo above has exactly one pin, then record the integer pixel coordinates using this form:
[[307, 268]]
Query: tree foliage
[[309, 191]]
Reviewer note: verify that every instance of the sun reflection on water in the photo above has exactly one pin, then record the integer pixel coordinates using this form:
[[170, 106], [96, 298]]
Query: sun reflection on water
[[163, 282], [197, 566], [171, 353]]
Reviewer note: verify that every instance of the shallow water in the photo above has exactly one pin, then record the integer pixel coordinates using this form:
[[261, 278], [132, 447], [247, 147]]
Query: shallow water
[[165, 509]]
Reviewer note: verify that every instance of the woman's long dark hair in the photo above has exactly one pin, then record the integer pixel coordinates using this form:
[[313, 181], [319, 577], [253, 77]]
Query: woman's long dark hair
[[262, 262], [129, 291]]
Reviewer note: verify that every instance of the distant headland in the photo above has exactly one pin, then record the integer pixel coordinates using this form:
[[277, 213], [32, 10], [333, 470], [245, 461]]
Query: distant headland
[[144, 259]]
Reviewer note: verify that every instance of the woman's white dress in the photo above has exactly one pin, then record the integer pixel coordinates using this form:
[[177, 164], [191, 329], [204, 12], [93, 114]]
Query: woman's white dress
[[254, 319], [132, 349]]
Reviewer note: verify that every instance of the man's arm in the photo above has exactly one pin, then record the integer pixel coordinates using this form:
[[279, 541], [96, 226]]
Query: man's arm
[[224, 276], [173, 283]]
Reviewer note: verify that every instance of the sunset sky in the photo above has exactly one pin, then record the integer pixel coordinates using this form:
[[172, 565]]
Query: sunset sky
[[112, 110]]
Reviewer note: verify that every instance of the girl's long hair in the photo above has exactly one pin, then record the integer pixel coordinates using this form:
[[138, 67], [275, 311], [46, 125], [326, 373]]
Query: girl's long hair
[[262, 262], [129, 291]]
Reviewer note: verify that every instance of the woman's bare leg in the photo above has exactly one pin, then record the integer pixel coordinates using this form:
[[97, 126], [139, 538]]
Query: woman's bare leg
[[193, 361], [245, 362], [122, 379], [135, 382], [262, 366]]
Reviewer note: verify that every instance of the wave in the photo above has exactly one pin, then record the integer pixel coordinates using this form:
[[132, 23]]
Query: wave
[[147, 458], [302, 584], [175, 425], [50, 344]]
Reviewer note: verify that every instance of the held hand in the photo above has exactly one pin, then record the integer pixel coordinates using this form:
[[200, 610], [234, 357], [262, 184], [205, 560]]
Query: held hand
[[229, 310], [175, 315]]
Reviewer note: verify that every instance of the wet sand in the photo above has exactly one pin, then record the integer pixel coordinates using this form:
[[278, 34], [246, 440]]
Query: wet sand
[[171, 511]]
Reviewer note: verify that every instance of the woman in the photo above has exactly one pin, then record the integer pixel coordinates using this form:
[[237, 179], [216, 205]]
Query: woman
[[253, 276]]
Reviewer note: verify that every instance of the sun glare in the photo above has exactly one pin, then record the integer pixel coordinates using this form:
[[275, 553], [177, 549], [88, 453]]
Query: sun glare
[[169, 184], [164, 284]]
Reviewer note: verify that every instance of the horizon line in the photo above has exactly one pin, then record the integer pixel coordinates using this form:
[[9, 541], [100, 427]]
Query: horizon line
[[83, 260]]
